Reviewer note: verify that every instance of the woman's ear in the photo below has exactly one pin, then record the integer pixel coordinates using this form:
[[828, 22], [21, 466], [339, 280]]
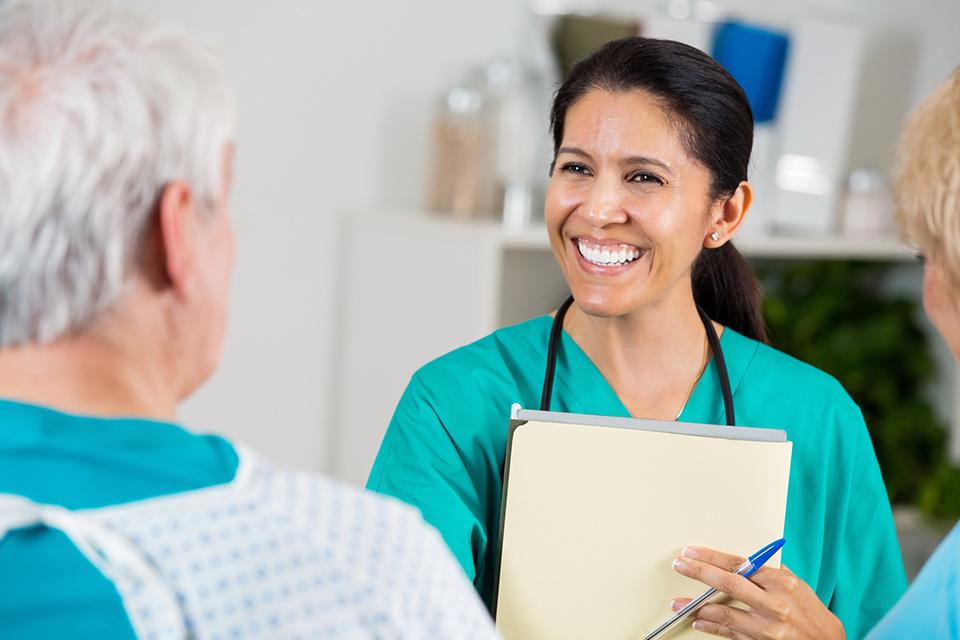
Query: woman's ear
[[178, 236], [727, 216]]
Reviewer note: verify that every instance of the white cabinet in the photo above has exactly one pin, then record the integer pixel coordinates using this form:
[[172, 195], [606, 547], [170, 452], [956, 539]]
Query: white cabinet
[[413, 287]]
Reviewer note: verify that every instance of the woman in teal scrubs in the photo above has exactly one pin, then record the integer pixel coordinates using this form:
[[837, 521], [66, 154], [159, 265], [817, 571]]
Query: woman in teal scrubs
[[652, 141]]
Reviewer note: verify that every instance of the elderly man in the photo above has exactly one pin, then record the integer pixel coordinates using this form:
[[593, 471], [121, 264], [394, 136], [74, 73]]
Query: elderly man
[[115, 259]]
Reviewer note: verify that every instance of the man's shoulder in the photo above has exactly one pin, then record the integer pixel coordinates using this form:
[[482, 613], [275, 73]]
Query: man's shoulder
[[352, 520], [385, 549], [79, 461], [293, 540]]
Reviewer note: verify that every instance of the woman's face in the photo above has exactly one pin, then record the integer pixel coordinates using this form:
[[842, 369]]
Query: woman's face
[[940, 303], [627, 209]]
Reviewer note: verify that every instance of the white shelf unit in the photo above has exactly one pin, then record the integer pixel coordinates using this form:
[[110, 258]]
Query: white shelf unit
[[432, 284]]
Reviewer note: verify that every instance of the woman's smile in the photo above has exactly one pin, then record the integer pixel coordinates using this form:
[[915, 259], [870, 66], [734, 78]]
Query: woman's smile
[[605, 257]]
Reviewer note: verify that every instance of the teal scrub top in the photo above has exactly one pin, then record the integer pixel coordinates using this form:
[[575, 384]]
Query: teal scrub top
[[48, 588], [931, 608], [444, 451]]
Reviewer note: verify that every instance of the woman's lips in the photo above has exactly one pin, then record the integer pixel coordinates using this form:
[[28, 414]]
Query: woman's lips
[[606, 256]]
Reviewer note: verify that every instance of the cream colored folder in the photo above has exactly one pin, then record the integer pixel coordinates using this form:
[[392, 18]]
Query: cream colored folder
[[596, 509]]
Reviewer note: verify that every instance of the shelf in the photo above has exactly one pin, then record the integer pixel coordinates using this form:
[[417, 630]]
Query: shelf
[[826, 248], [757, 246]]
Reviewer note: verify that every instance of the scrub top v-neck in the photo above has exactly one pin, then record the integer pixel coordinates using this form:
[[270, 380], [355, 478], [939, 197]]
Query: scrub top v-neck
[[444, 450]]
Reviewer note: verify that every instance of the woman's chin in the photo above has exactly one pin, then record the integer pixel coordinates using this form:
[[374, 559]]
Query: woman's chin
[[603, 304]]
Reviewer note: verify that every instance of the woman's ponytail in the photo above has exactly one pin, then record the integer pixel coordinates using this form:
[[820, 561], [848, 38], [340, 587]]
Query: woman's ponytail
[[725, 286]]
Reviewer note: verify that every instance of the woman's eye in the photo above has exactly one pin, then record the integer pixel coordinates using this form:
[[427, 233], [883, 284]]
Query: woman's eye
[[646, 178], [575, 168]]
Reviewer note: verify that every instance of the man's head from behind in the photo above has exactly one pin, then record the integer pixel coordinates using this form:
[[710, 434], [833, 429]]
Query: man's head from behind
[[115, 158]]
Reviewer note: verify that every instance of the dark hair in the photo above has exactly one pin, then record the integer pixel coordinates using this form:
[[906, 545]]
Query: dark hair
[[716, 128]]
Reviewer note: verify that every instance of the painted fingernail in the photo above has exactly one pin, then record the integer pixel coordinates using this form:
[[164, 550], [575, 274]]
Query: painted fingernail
[[674, 605], [699, 625], [690, 552], [679, 565]]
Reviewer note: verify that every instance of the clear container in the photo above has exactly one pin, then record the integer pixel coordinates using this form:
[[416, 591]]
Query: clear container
[[519, 102], [462, 181], [491, 145]]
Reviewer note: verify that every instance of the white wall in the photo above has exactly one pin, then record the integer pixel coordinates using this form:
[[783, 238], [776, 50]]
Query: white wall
[[335, 100]]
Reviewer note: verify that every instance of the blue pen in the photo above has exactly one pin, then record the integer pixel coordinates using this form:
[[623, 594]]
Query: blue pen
[[747, 569]]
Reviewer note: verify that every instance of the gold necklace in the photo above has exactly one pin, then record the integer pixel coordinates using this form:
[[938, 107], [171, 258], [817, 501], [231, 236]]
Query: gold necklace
[[693, 385]]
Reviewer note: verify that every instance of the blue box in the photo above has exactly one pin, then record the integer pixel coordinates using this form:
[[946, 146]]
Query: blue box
[[756, 58]]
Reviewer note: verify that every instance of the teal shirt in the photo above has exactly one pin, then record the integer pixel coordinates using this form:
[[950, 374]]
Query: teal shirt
[[444, 450], [931, 608], [48, 589]]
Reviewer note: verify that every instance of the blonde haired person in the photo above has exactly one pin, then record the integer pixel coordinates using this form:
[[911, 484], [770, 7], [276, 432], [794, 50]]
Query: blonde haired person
[[116, 147], [928, 204]]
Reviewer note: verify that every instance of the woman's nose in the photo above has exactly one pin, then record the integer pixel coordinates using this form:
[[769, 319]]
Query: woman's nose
[[604, 204]]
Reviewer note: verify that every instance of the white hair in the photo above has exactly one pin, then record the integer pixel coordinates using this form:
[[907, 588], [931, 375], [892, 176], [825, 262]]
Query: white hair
[[99, 110]]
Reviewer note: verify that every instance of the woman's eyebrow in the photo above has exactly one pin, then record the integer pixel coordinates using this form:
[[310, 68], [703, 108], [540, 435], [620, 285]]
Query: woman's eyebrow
[[625, 161], [646, 160], [574, 151]]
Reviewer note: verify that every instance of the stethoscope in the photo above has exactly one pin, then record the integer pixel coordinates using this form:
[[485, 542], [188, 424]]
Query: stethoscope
[[556, 331]]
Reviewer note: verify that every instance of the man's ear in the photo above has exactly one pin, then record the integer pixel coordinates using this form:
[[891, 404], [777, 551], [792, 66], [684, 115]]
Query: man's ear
[[178, 235], [731, 214]]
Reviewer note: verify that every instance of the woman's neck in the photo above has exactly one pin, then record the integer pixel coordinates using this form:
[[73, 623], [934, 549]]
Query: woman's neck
[[652, 357]]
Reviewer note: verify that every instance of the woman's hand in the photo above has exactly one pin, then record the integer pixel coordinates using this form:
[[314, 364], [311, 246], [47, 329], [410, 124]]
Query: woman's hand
[[781, 606]]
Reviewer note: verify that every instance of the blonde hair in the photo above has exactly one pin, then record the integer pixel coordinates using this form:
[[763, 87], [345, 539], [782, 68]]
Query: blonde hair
[[927, 178]]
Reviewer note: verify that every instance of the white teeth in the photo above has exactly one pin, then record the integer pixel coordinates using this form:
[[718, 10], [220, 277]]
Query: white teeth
[[606, 258]]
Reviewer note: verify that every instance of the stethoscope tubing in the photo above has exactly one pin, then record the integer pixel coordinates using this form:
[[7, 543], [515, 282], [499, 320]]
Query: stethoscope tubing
[[556, 333]]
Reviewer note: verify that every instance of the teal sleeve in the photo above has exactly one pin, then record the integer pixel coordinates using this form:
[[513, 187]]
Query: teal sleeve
[[421, 463], [931, 608], [869, 567], [49, 590]]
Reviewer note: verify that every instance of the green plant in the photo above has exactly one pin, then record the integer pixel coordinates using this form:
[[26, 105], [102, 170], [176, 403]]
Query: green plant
[[835, 316]]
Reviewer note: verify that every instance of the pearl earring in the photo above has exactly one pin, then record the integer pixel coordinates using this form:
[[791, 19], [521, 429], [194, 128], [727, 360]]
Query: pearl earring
[[714, 236]]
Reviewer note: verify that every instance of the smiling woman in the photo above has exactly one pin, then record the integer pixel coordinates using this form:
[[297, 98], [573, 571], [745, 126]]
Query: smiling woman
[[628, 215], [665, 142], [648, 186]]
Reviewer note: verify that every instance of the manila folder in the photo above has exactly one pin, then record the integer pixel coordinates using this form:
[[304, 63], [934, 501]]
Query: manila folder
[[593, 516]]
